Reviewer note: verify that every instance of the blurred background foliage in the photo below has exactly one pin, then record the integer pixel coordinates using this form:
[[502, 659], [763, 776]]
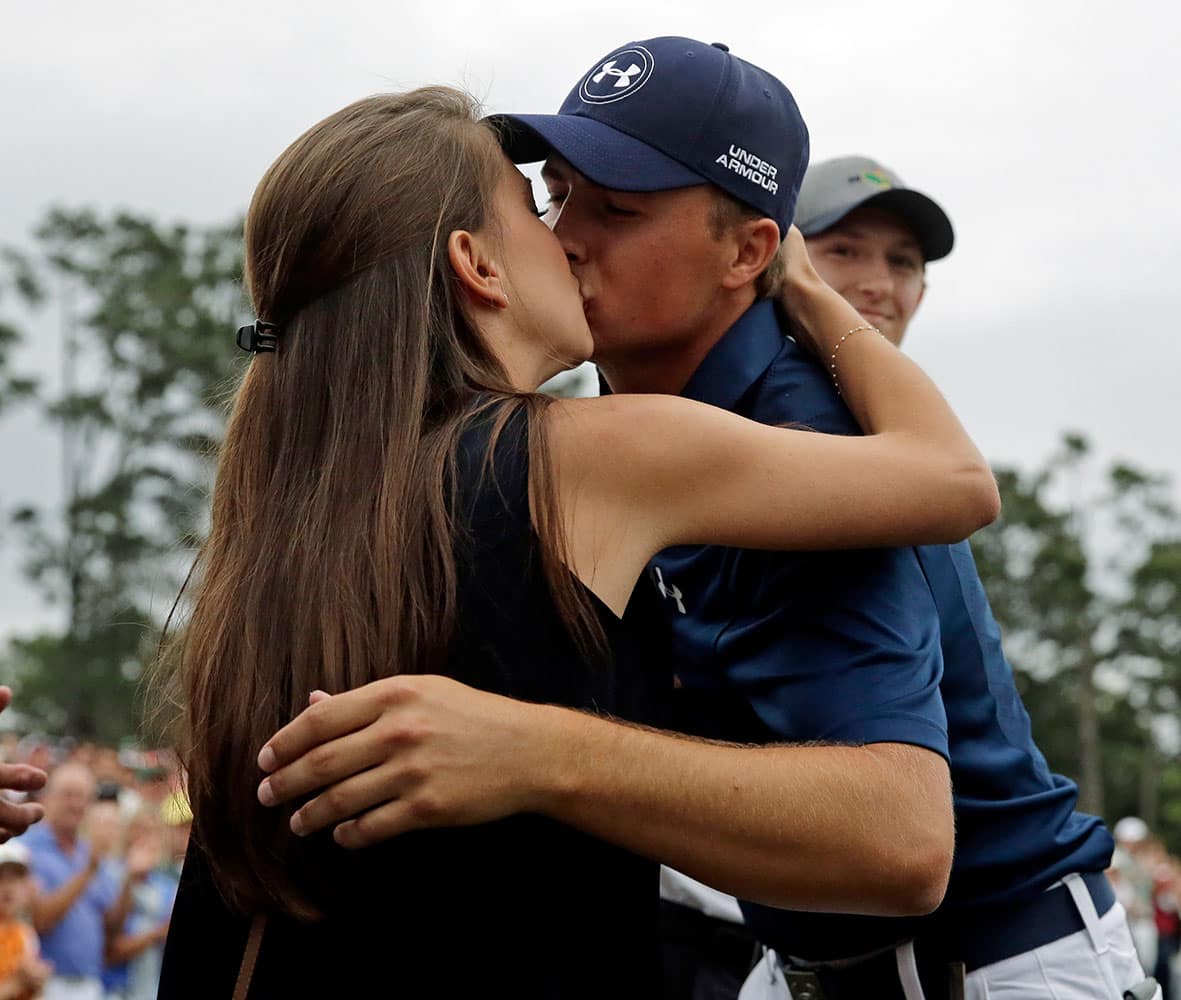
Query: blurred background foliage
[[1083, 568]]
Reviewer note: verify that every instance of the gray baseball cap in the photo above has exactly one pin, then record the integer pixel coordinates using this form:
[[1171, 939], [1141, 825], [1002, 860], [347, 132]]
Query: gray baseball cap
[[833, 188]]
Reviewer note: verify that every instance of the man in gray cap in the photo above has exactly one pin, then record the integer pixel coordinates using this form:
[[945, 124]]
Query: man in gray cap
[[870, 237]]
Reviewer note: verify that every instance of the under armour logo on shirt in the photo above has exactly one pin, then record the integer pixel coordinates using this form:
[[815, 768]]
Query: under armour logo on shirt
[[623, 77], [669, 590]]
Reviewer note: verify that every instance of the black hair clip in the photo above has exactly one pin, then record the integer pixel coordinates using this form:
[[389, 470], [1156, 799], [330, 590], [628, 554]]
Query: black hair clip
[[259, 337]]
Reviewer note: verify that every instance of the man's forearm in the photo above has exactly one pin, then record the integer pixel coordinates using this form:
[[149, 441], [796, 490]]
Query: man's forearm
[[116, 914], [837, 828], [49, 908], [840, 828], [125, 947]]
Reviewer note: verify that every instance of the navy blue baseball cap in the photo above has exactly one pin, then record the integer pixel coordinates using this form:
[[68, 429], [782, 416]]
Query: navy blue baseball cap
[[673, 112]]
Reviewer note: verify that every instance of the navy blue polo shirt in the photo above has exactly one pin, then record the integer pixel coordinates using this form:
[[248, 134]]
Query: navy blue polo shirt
[[868, 646]]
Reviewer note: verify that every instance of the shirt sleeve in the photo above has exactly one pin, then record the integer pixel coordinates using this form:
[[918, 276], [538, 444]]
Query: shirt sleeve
[[47, 875], [839, 647], [834, 646]]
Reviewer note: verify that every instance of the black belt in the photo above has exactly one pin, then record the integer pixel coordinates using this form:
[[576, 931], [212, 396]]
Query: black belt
[[722, 941], [980, 939], [972, 940]]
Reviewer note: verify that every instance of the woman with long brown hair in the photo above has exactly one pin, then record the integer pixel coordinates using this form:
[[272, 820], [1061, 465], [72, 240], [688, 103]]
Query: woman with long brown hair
[[392, 490]]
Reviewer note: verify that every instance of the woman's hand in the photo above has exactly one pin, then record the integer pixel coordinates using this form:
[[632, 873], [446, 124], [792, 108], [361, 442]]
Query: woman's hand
[[800, 288], [808, 302], [404, 753]]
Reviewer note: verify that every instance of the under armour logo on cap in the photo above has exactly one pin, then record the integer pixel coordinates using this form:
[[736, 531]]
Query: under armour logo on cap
[[623, 77], [618, 77]]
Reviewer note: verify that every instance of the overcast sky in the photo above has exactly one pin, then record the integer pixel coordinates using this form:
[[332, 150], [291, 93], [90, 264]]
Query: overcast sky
[[1047, 130]]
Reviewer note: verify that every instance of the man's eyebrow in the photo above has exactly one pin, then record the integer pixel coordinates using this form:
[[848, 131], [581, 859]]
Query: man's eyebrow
[[909, 243], [857, 232], [843, 228]]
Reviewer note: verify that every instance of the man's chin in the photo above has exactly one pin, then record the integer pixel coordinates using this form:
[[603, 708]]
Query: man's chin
[[605, 345]]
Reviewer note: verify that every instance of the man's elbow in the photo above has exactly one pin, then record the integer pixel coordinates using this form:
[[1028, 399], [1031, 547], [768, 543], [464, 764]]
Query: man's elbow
[[916, 878], [915, 839], [927, 885]]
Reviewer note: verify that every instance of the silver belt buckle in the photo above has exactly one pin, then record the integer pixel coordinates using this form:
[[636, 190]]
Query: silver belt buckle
[[803, 985]]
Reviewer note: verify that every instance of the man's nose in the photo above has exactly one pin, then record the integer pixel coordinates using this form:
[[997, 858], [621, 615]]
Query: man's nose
[[875, 278], [566, 225], [571, 240]]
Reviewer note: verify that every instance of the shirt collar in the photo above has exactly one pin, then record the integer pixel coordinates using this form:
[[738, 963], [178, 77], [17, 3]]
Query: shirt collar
[[734, 363], [739, 359]]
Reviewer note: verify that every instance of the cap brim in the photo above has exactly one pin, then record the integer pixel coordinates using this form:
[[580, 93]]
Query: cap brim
[[602, 154], [928, 221]]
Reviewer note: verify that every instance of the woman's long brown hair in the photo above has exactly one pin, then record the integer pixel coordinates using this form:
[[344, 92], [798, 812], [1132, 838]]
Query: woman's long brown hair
[[330, 561]]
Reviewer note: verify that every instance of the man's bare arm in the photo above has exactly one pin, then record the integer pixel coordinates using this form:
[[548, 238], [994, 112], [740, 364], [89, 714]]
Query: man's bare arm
[[125, 947], [48, 908], [865, 829], [142, 856], [115, 915]]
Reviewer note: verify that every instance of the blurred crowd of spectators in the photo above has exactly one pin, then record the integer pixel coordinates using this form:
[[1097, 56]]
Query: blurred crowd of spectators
[[86, 894], [1147, 880]]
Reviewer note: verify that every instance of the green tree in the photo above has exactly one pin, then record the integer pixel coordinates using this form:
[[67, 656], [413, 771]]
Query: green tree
[[17, 281], [1084, 573], [148, 313], [1146, 646], [1034, 564]]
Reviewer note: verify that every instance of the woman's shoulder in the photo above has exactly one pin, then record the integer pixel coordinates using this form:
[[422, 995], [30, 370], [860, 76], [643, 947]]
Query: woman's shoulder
[[620, 420], [634, 441]]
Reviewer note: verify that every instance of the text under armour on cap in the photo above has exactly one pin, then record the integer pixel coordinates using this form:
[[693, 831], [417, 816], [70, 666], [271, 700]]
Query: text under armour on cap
[[833, 188], [673, 112]]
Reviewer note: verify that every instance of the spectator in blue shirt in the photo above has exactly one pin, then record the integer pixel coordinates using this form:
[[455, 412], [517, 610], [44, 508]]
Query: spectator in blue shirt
[[79, 904], [874, 675], [136, 952]]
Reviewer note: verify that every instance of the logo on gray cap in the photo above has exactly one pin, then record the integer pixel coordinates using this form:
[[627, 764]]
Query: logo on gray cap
[[618, 77]]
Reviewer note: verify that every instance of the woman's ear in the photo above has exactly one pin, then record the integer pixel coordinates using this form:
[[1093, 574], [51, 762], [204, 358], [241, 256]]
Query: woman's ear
[[755, 243], [476, 270]]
